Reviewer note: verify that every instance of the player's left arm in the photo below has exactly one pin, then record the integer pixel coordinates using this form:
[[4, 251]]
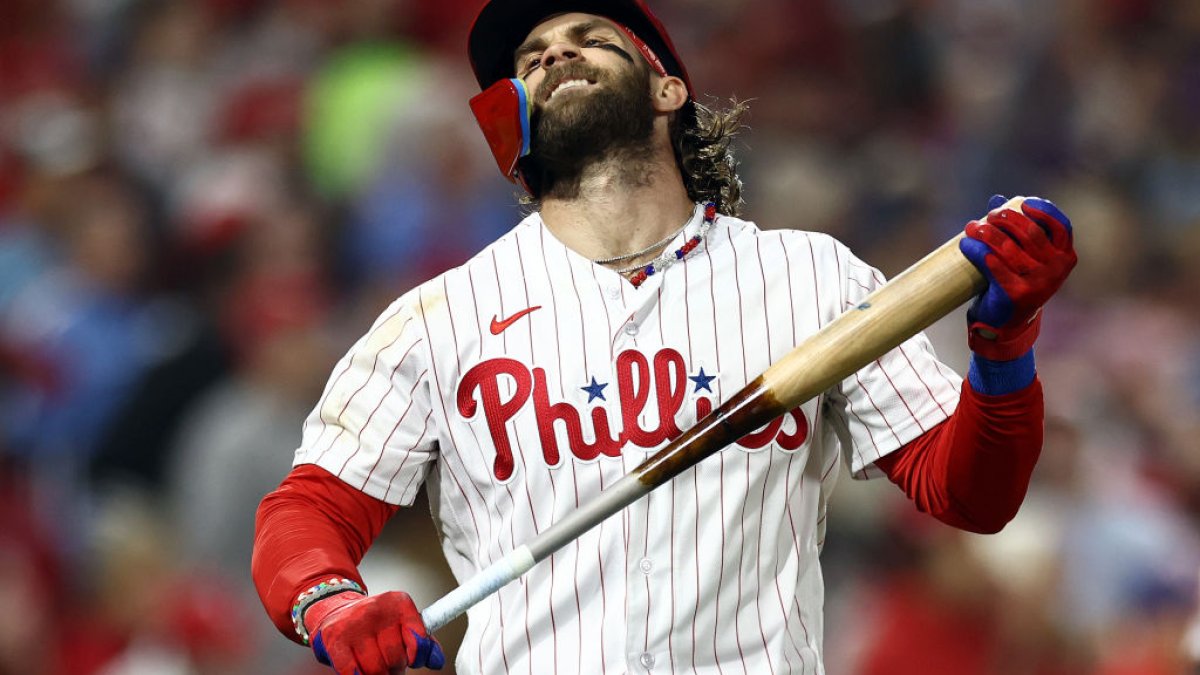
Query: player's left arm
[[972, 471]]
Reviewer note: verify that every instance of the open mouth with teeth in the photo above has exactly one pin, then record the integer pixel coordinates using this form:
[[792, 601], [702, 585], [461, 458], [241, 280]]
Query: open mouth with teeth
[[565, 85]]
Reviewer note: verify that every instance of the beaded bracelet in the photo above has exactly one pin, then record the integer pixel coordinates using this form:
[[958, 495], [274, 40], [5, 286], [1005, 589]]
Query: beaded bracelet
[[321, 591]]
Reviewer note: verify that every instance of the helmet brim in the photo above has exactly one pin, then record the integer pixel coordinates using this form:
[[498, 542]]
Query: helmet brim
[[502, 25]]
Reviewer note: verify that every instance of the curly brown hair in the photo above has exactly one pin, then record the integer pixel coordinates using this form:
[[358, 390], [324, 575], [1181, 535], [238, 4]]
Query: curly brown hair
[[703, 148]]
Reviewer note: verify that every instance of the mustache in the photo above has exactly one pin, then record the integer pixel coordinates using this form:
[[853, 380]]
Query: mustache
[[572, 71]]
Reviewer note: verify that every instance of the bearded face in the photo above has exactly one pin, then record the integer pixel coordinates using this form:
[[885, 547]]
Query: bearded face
[[576, 124]]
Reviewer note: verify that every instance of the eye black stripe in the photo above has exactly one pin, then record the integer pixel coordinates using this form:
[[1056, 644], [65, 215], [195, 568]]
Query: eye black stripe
[[617, 50]]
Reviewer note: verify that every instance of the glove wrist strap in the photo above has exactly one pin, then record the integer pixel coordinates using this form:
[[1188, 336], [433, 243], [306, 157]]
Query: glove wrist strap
[[1003, 344], [325, 589]]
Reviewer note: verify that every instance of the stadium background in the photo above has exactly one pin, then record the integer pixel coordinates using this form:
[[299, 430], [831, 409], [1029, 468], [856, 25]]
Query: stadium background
[[204, 202]]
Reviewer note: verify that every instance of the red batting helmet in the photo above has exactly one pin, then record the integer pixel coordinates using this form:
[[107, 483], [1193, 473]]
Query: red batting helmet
[[502, 25]]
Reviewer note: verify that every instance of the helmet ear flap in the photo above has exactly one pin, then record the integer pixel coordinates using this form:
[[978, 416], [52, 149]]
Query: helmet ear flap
[[503, 112]]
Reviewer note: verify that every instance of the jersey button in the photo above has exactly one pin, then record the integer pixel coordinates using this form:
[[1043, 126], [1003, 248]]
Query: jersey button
[[646, 565], [614, 292], [631, 329], [647, 660]]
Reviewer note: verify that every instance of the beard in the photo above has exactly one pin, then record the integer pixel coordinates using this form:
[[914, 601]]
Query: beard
[[615, 121]]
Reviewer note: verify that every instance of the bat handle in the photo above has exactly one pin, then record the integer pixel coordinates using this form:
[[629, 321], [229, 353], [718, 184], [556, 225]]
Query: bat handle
[[493, 577], [487, 581]]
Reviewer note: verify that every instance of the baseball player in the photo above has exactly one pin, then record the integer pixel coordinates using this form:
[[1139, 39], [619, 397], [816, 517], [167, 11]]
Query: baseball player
[[628, 305]]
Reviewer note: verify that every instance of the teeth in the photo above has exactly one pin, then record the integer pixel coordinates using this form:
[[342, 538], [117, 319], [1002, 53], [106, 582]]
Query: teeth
[[569, 84]]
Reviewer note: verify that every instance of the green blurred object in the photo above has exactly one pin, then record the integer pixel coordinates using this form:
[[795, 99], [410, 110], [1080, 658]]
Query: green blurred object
[[350, 109]]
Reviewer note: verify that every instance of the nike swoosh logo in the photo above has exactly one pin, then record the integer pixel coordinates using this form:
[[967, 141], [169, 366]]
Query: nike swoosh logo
[[499, 327]]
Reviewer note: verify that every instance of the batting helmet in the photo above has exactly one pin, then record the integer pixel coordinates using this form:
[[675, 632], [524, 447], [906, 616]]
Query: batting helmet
[[502, 25]]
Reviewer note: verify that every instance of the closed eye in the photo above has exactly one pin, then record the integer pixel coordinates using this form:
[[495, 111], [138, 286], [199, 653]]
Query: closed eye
[[531, 65]]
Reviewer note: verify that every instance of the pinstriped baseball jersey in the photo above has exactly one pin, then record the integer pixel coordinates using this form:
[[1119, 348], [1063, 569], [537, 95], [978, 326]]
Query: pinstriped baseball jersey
[[518, 386]]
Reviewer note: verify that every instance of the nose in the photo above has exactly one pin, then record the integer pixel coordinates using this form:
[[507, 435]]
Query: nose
[[560, 51]]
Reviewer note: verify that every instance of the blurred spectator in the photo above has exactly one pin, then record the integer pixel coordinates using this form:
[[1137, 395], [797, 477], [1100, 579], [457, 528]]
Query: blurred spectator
[[86, 316], [239, 437]]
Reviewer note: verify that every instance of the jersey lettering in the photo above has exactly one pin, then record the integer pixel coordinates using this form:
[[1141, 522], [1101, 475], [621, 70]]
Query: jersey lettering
[[481, 385]]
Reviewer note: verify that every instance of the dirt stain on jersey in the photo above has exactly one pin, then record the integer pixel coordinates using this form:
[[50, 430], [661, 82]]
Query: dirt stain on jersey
[[389, 332]]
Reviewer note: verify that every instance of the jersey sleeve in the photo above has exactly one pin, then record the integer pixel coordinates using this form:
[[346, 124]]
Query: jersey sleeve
[[895, 398], [372, 427]]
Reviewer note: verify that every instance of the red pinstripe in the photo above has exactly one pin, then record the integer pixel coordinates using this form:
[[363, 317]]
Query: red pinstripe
[[603, 595], [741, 561], [923, 382], [346, 406], [799, 551], [395, 428], [646, 577], [367, 423], [671, 563], [737, 280], [500, 295], [612, 356], [525, 483], [721, 457], [874, 405], [792, 457], [424, 429], [770, 462], [879, 363], [787, 262], [579, 302], [574, 476], [742, 520], [475, 302], [450, 469], [330, 389], [449, 430]]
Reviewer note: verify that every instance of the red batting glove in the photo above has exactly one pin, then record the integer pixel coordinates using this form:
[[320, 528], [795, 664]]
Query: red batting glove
[[371, 635], [1026, 256]]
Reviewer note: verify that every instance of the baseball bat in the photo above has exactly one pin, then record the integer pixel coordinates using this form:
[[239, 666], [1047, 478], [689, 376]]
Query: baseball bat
[[930, 289]]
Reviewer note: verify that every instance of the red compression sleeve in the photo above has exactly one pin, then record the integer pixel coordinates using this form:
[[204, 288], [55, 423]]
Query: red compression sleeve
[[972, 470], [312, 527]]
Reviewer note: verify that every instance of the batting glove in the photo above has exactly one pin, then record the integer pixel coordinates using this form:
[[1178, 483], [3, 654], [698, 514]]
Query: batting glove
[[371, 635], [1025, 256]]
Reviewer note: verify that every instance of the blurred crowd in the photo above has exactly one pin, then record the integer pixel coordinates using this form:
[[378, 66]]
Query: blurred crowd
[[203, 203]]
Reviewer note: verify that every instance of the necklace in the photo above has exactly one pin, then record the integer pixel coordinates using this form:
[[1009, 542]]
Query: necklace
[[636, 254], [645, 271]]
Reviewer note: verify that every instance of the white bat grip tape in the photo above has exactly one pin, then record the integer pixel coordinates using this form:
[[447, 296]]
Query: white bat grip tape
[[478, 587]]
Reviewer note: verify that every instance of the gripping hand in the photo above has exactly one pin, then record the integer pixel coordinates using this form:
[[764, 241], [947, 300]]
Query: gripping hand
[[371, 635], [1025, 256]]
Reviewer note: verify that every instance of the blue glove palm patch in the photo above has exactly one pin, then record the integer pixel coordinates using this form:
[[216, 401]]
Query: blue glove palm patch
[[993, 307], [429, 653], [318, 647]]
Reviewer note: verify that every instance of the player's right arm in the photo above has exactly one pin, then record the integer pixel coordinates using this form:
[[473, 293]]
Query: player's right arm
[[310, 535], [366, 450]]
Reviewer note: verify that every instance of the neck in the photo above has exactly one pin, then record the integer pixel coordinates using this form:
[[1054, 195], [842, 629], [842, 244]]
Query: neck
[[614, 213]]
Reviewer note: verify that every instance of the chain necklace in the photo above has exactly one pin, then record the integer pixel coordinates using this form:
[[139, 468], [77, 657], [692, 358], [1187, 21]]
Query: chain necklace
[[638, 254], [645, 271]]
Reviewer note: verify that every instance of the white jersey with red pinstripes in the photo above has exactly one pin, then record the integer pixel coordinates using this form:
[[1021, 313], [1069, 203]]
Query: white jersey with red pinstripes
[[519, 385]]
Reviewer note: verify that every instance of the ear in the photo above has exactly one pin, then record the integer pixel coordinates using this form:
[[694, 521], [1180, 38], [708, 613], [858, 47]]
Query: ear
[[668, 94]]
